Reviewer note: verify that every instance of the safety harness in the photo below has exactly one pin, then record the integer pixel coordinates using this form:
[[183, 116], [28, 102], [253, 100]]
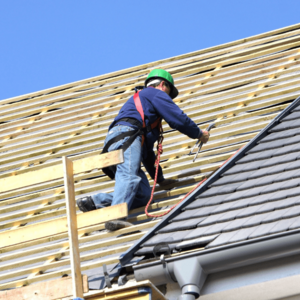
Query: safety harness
[[133, 134]]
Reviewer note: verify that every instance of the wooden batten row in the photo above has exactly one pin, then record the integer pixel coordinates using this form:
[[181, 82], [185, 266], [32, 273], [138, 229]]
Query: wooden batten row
[[240, 86]]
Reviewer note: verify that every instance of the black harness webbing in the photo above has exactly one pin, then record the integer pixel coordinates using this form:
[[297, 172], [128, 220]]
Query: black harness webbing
[[133, 134]]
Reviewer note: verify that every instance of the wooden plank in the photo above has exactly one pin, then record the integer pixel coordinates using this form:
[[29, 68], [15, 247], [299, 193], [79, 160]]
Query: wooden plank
[[43, 268], [72, 228], [255, 54], [248, 62], [59, 225], [55, 172], [89, 238], [49, 290]]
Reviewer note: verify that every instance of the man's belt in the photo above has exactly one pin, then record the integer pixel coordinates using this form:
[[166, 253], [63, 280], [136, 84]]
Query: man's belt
[[132, 121]]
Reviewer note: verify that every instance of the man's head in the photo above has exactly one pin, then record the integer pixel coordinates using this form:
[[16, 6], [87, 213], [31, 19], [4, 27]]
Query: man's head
[[162, 80]]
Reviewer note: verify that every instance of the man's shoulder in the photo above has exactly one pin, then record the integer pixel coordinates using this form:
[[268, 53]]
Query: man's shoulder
[[152, 93]]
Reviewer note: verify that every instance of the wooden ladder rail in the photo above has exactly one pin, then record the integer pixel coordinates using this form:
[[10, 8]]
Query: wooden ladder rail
[[70, 223]]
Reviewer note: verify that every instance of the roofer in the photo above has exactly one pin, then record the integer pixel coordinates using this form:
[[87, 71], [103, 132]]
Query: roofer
[[135, 130]]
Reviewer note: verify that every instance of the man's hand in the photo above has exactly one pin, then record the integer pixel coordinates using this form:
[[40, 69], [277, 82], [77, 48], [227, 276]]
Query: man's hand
[[205, 136], [166, 184]]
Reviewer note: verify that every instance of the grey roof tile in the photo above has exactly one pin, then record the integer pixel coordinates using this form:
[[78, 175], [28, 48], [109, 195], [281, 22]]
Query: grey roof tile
[[222, 217], [195, 233], [283, 185], [224, 207], [239, 167], [249, 211], [280, 159], [294, 115], [241, 234], [182, 225], [239, 195], [295, 224], [292, 139], [288, 192], [293, 211], [256, 197], [251, 183], [282, 225], [279, 135], [286, 125], [261, 230], [235, 224], [194, 213], [287, 149], [222, 239], [266, 146], [206, 201], [197, 242], [257, 156], [267, 171], [221, 190], [275, 215], [216, 228], [167, 238], [233, 178], [292, 165], [254, 220]]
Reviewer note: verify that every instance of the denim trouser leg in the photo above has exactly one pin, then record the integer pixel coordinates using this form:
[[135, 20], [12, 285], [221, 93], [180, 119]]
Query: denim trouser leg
[[131, 185]]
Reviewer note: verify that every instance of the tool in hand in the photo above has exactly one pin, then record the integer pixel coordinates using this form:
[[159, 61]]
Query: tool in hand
[[200, 144]]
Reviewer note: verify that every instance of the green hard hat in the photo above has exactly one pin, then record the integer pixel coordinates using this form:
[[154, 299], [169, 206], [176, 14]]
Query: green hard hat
[[163, 74]]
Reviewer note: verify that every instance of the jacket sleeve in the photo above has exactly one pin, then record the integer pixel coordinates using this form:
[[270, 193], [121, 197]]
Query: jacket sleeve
[[174, 116], [150, 167]]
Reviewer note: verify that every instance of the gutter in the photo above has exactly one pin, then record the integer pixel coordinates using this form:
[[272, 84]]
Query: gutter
[[126, 257], [190, 270]]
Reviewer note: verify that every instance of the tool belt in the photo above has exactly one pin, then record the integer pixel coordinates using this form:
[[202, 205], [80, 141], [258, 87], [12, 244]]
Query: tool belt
[[133, 134]]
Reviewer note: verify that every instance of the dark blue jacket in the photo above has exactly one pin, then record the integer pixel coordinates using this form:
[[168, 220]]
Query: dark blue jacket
[[156, 103]]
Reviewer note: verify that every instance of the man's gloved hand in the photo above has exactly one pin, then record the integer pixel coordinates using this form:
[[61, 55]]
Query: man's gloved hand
[[166, 184], [205, 136]]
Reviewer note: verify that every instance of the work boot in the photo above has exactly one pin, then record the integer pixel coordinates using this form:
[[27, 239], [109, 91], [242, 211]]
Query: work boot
[[86, 204], [117, 224]]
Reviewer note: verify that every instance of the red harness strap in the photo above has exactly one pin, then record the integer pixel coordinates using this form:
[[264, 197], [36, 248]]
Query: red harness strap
[[139, 107]]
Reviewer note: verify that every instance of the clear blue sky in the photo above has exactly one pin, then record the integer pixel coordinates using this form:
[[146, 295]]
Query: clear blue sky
[[46, 43]]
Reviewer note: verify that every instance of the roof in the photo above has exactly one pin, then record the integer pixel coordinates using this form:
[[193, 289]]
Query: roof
[[257, 196], [240, 86]]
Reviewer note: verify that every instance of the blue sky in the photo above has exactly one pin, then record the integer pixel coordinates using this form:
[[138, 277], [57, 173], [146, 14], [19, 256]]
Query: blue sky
[[46, 43]]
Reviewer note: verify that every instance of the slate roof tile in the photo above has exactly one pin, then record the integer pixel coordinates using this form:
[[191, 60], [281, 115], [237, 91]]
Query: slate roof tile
[[258, 196], [279, 135], [197, 232], [267, 146], [294, 115], [195, 213], [287, 149], [182, 225], [233, 178], [243, 168], [282, 225], [222, 239], [167, 238], [295, 224], [240, 235], [197, 242], [262, 230], [200, 202], [286, 125], [280, 159]]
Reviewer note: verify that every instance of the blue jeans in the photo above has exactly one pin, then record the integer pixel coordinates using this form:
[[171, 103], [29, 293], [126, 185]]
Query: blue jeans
[[131, 185]]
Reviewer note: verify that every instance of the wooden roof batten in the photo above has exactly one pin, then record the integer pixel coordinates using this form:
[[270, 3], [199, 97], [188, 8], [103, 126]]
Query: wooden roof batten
[[241, 86]]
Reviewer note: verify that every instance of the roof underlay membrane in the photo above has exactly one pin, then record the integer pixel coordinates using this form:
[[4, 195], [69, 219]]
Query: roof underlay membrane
[[240, 86]]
